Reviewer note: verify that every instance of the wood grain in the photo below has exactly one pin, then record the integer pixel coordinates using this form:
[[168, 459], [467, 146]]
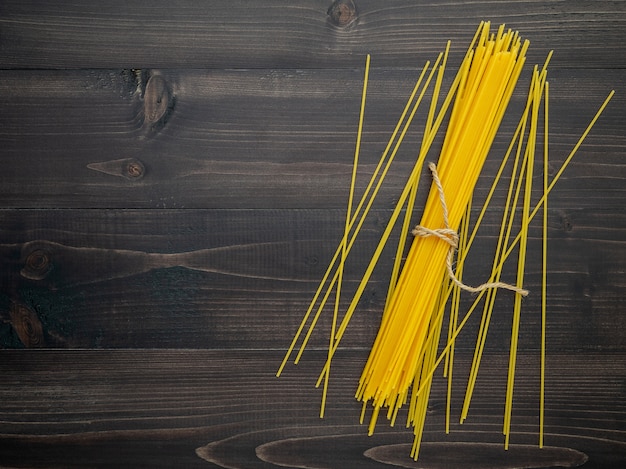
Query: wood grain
[[104, 408], [302, 34], [219, 278], [258, 139], [174, 182]]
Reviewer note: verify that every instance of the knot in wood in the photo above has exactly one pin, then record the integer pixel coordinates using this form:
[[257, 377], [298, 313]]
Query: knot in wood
[[156, 99], [135, 169], [27, 326], [342, 13], [37, 265]]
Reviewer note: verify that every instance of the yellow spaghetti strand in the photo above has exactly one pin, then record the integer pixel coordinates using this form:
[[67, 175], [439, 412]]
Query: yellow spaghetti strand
[[544, 269], [454, 310], [521, 263]]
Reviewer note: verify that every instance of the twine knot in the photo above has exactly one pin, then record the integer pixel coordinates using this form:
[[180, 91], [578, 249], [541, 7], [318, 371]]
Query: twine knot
[[451, 237]]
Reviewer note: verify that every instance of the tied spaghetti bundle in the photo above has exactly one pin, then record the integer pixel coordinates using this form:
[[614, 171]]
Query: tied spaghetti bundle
[[488, 78], [405, 353]]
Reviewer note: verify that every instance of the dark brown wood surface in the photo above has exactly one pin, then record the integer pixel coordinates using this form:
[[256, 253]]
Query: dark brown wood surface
[[174, 183]]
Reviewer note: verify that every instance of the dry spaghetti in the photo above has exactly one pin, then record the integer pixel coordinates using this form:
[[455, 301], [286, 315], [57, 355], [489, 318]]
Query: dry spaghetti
[[400, 347], [405, 353]]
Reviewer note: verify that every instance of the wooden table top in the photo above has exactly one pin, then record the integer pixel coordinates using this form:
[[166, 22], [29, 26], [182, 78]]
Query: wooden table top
[[174, 183]]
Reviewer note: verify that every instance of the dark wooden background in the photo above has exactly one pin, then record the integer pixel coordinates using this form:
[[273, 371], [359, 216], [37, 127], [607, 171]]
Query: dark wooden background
[[174, 180]]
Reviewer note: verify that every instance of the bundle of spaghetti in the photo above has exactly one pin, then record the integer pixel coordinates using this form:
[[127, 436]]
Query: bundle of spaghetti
[[485, 90], [537, 86], [404, 356]]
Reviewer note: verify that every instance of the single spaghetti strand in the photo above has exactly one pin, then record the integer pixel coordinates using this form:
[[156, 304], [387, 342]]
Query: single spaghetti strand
[[347, 228], [454, 308], [544, 269], [539, 80], [521, 263], [573, 152]]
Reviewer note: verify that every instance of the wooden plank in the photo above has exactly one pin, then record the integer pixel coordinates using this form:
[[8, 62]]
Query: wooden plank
[[174, 183], [233, 279], [228, 271], [302, 34], [199, 408], [256, 139]]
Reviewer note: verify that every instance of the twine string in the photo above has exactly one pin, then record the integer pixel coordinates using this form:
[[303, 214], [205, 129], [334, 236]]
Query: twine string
[[451, 237]]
